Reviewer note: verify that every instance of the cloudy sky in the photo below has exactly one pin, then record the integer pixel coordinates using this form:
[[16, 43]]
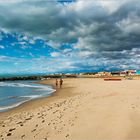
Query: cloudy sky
[[49, 36]]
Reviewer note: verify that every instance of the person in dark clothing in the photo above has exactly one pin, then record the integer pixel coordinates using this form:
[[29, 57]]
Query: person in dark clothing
[[56, 83], [61, 82]]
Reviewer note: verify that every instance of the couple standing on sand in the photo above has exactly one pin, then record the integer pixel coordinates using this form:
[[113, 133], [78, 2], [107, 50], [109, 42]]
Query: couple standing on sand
[[60, 82]]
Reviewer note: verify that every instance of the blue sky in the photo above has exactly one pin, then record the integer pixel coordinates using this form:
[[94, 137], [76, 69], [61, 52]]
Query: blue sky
[[69, 36]]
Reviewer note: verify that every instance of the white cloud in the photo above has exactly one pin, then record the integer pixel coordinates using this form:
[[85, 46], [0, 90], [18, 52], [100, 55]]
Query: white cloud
[[85, 54], [9, 2], [131, 24], [53, 44], [85, 43], [2, 47], [4, 58], [65, 51], [24, 47], [32, 41], [55, 54], [113, 5], [22, 38], [31, 54], [22, 43]]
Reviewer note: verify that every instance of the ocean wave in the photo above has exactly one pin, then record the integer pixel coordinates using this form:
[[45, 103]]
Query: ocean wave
[[5, 108], [26, 98], [9, 84], [41, 87], [20, 99], [32, 96], [9, 97]]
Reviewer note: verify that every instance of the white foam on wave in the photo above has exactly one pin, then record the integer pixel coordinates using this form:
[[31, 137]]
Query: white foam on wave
[[8, 97], [26, 98], [35, 96], [5, 108], [31, 96], [39, 87]]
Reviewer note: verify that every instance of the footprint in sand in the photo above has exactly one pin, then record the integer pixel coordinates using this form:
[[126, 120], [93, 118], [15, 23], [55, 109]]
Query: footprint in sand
[[22, 136], [10, 130], [28, 119], [43, 121], [67, 135], [21, 124], [33, 130], [49, 123], [72, 124], [9, 134]]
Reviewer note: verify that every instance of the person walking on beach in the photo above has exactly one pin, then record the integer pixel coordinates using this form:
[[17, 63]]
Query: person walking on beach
[[56, 83], [61, 82]]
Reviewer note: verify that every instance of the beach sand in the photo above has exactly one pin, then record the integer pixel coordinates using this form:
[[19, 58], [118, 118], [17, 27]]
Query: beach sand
[[84, 109]]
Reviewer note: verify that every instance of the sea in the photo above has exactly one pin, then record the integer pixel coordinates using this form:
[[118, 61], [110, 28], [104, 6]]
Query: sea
[[15, 93], [138, 72]]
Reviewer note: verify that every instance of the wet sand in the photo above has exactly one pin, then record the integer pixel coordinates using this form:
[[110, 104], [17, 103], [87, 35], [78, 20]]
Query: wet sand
[[84, 109]]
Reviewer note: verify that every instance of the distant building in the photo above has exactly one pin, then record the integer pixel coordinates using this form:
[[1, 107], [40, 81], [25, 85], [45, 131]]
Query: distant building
[[116, 73], [128, 72], [131, 72], [104, 73], [122, 73]]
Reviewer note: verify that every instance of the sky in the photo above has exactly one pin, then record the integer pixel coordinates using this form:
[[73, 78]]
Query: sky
[[59, 36]]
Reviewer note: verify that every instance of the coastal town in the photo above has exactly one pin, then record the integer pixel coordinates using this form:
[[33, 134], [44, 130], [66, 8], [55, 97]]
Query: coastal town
[[102, 74]]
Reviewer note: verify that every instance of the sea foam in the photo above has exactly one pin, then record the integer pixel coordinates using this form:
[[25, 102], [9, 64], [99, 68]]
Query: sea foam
[[35, 91]]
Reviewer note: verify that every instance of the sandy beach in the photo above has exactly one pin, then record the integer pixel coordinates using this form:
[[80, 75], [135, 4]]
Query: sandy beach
[[84, 109]]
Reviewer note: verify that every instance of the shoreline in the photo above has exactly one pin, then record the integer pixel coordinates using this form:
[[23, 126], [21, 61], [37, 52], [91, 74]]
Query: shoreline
[[19, 105], [31, 104]]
